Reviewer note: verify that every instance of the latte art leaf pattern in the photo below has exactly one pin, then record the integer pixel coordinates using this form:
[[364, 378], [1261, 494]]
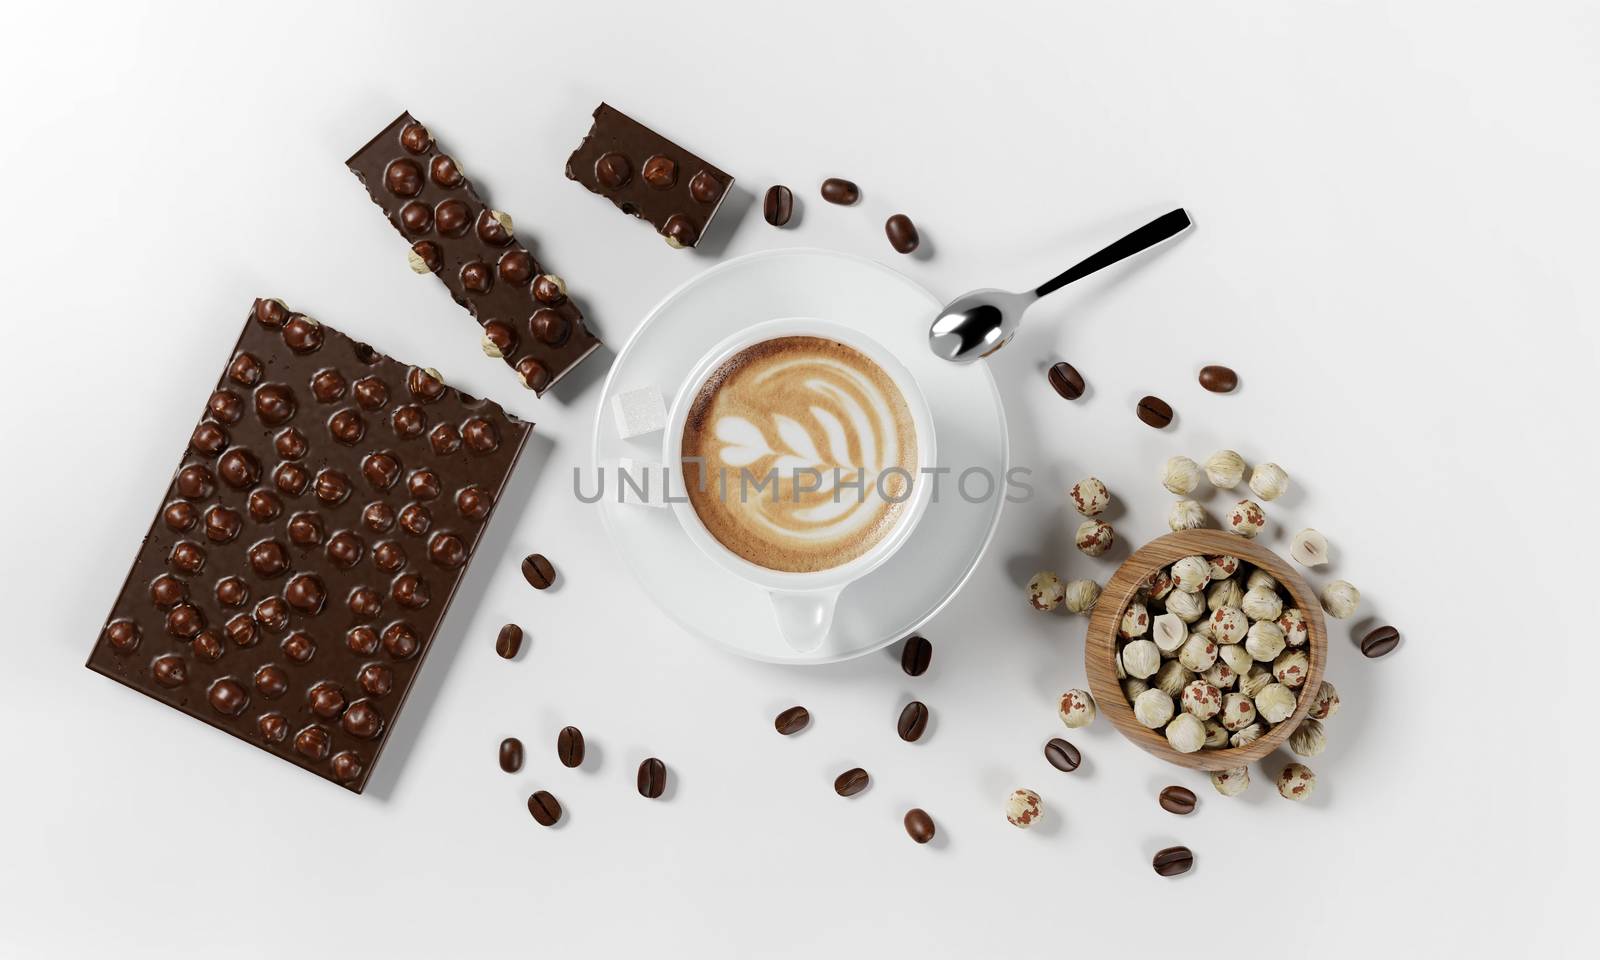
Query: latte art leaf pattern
[[808, 449]]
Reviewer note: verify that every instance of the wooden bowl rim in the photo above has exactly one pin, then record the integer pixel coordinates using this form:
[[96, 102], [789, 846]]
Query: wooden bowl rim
[[1100, 643]]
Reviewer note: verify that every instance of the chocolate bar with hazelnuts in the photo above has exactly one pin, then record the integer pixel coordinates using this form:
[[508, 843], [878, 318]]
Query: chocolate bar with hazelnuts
[[527, 318]]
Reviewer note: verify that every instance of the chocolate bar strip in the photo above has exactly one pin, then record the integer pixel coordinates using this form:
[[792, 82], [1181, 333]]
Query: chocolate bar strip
[[526, 316], [648, 176], [309, 544]]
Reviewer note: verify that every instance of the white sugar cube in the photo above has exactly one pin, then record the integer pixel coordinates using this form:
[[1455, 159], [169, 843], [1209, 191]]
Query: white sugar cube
[[639, 412], [640, 482]]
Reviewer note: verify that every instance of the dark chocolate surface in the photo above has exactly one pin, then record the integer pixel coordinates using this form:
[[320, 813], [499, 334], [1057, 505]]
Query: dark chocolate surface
[[525, 312], [309, 545], [648, 176]]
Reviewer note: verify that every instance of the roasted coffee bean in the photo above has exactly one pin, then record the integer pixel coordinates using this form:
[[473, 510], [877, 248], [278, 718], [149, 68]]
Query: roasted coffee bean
[[569, 746], [842, 192], [652, 778], [1218, 379], [1155, 412], [1062, 755], [538, 571], [1380, 641], [792, 721], [1066, 380], [778, 205], [851, 782], [916, 655], [510, 754], [1172, 861], [913, 721], [545, 808], [1179, 800], [509, 641], [919, 825], [902, 233]]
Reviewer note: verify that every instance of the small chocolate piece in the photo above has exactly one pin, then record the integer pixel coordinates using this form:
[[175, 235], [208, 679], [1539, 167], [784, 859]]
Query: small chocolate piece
[[1380, 641], [902, 233], [1155, 412], [250, 602], [778, 205], [1062, 755], [510, 754], [792, 721], [468, 245], [509, 641], [913, 721], [1178, 800], [1172, 861], [919, 825], [652, 778], [538, 571], [916, 655], [545, 808], [1066, 380], [648, 176], [569, 746], [1218, 379], [851, 782], [840, 191]]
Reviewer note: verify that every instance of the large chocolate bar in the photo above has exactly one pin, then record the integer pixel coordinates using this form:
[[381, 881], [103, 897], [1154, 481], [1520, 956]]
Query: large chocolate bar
[[309, 544], [526, 316], [648, 176]]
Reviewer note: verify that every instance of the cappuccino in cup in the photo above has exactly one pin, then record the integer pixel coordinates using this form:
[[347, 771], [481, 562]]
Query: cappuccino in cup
[[799, 454]]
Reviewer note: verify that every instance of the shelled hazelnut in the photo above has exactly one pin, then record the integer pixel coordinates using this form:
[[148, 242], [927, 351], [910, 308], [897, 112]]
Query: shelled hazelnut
[[1296, 782], [1185, 733], [1076, 709], [1153, 709], [1325, 702], [1180, 475], [1308, 740], [1079, 596], [1341, 599], [1094, 537], [1172, 678], [1293, 624], [1268, 481], [1232, 782], [1089, 496], [1225, 469], [1246, 518], [1045, 591], [1186, 515], [1023, 808]]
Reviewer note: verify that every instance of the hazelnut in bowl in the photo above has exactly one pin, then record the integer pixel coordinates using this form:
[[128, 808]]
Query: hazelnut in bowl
[[1206, 649]]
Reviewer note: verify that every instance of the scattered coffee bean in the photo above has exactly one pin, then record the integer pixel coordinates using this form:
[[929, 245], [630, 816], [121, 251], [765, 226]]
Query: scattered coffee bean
[[851, 782], [1380, 641], [569, 746], [1173, 861], [913, 721], [509, 641], [778, 206], [545, 808], [538, 571], [510, 754], [652, 778], [902, 233], [1062, 755], [916, 655], [1218, 379], [792, 721], [1066, 380], [919, 825], [842, 192], [1155, 411], [1179, 800]]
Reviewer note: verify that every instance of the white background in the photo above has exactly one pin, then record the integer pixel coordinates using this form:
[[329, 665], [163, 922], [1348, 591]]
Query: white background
[[1395, 247]]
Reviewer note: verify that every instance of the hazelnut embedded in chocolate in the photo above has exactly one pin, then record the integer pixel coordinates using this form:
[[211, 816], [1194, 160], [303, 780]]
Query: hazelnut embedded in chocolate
[[549, 326], [444, 171], [403, 178], [660, 172], [680, 231], [613, 169], [416, 218], [452, 217], [415, 138], [476, 277]]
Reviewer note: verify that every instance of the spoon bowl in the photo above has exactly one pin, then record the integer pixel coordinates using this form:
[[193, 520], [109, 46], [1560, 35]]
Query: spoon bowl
[[976, 324]]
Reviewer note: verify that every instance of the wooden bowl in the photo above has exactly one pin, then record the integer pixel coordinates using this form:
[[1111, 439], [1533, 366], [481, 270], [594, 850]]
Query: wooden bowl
[[1100, 646]]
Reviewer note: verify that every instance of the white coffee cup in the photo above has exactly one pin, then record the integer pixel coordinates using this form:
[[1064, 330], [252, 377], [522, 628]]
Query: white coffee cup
[[802, 603]]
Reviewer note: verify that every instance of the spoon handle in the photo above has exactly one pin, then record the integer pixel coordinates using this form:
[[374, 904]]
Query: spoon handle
[[1161, 228]]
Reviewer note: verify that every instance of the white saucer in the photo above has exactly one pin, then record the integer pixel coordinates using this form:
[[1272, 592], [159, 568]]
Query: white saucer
[[926, 572]]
